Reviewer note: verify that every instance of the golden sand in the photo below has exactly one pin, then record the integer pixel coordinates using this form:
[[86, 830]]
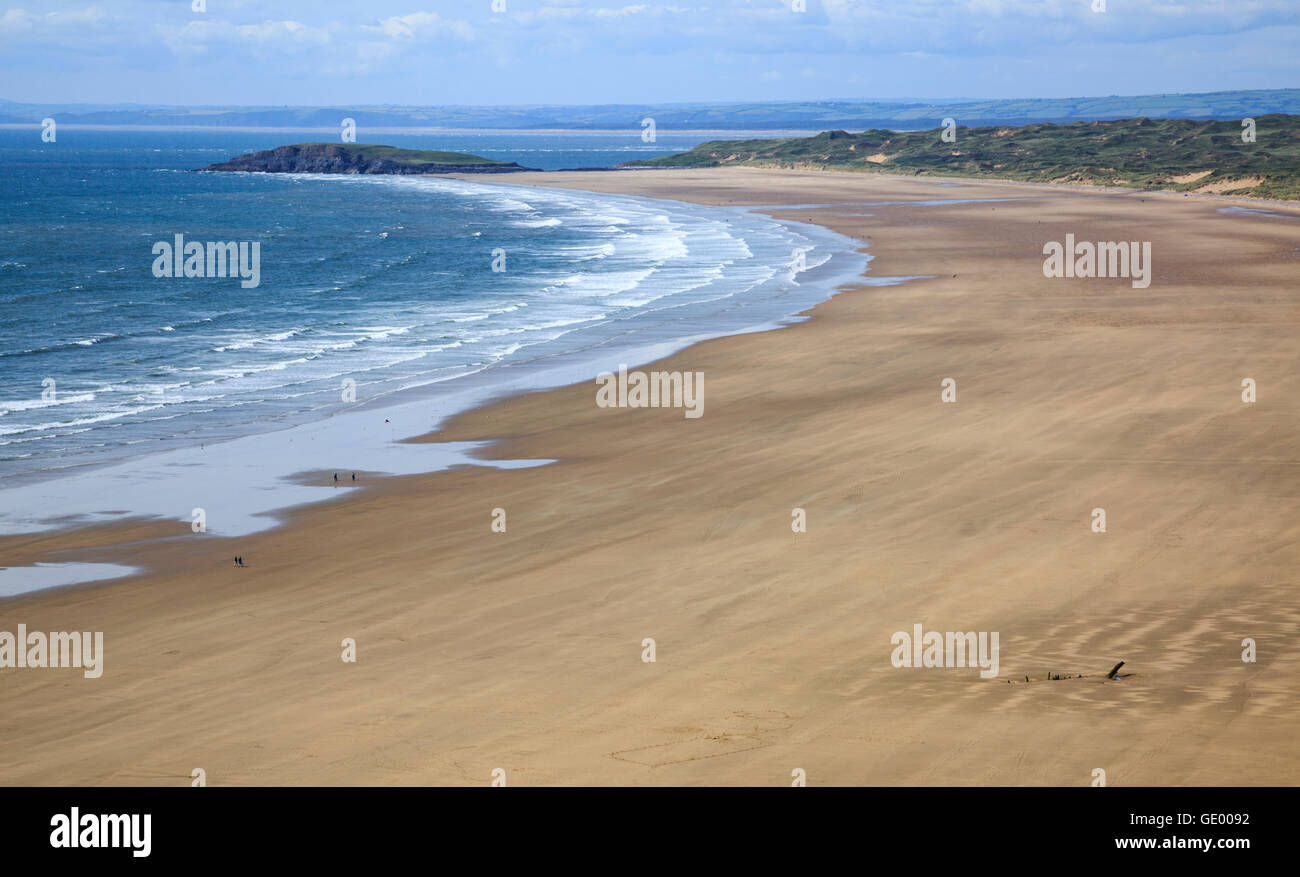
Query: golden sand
[[523, 650]]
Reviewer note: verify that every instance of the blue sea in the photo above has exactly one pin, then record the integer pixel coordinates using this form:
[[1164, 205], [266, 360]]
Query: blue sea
[[382, 283]]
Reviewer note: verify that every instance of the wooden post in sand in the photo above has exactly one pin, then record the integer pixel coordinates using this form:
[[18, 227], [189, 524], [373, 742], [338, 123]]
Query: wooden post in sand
[[1114, 670]]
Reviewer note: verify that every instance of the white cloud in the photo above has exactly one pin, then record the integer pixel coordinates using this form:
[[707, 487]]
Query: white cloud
[[422, 26], [51, 25], [203, 34]]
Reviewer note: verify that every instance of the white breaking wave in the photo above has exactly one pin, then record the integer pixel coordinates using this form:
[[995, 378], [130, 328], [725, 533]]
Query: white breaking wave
[[586, 273], [30, 404]]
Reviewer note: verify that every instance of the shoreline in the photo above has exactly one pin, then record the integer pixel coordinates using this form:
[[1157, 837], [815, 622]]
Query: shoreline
[[958, 180], [429, 403], [770, 636]]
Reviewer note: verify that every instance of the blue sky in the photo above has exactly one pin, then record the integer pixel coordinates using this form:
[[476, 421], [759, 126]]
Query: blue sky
[[322, 52]]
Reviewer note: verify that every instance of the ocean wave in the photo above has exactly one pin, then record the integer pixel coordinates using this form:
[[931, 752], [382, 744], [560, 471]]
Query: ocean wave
[[605, 268], [245, 343], [81, 421], [552, 222], [35, 404]]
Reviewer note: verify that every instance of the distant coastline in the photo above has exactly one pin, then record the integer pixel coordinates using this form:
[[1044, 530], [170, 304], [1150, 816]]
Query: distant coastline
[[412, 129], [787, 115]]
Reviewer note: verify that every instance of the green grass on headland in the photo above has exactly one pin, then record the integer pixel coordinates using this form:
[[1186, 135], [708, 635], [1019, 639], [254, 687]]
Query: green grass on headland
[[358, 158], [1181, 155], [417, 157]]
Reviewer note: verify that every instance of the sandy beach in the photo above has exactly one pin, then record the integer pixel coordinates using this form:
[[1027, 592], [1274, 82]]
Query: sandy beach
[[523, 650]]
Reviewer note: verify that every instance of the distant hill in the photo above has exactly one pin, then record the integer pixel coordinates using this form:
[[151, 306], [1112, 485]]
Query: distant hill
[[356, 158], [788, 115], [1177, 154]]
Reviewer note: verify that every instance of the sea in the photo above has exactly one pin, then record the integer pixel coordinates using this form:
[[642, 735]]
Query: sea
[[383, 305]]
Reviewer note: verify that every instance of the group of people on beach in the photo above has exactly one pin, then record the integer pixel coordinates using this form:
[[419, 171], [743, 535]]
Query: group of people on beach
[[239, 561]]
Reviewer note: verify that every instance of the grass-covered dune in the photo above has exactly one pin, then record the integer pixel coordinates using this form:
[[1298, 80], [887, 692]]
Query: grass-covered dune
[[1176, 154], [356, 158]]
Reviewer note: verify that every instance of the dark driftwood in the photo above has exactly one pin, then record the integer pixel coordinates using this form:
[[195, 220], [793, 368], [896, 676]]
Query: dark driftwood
[[1114, 670]]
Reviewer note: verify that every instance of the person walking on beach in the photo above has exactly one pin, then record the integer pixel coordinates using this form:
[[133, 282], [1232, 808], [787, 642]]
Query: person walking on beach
[[336, 477]]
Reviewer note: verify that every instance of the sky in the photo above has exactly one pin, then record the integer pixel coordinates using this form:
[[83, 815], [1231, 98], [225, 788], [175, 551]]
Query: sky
[[416, 52]]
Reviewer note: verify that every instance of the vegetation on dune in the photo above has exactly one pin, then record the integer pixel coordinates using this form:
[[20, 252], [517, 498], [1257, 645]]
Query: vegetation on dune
[[1175, 154]]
